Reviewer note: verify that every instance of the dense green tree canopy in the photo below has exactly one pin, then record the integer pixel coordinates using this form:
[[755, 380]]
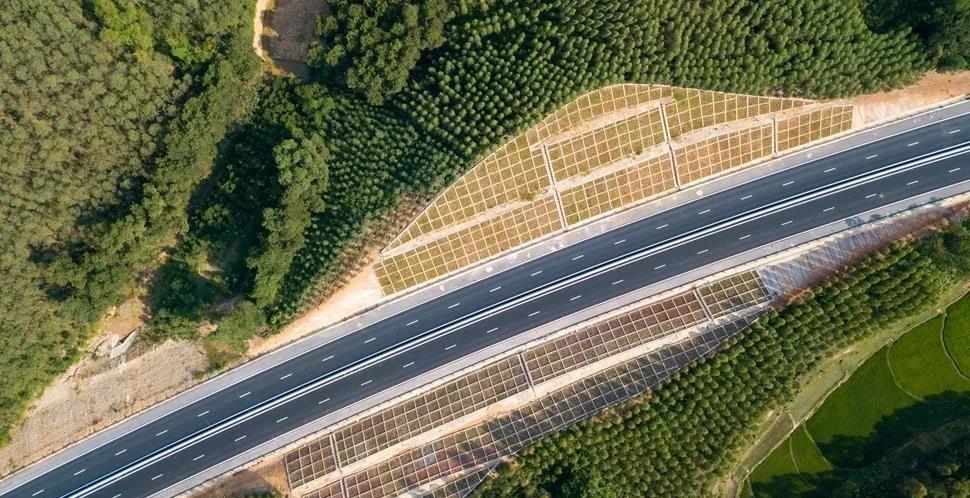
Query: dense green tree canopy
[[91, 102], [942, 25], [374, 44]]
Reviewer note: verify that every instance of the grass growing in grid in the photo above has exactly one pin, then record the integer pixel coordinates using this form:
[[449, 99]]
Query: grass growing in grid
[[510, 174], [630, 185], [701, 160], [469, 245], [734, 293], [813, 125], [693, 109], [579, 155]]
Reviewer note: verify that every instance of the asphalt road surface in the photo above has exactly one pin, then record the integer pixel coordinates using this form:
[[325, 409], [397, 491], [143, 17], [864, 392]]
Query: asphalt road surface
[[707, 229]]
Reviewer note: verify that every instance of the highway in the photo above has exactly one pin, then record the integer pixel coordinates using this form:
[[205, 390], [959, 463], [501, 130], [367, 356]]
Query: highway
[[708, 229]]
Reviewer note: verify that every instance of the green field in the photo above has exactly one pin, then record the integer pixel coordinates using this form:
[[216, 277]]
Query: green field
[[903, 390], [851, 413], [795, 459], [921, 351]]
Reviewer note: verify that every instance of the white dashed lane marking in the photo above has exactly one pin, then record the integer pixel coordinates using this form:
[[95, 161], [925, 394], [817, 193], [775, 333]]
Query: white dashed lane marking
[[198, 457], [248, 393], [156, 477], [828, 209], [322, 401], [705, 211], [951, 132], [619, 242], [495, 289], [287, 376], [79, 472], [659, 267], [661, 227], [914, 182], [618, 282], [120, 452], [160, 433], [240, 438], [786, 223], [870, 196], [744, 236], [747, 197], [282, 419], [454, 305], [954, 170], [203, 414], [912, 144], [408, 365], [493, 329], [450, 347], [872, 156], [412, 322], [577, 257], [534, 313], [702, 251], [575, 298], [829, 170], [536, 273], [787, 183], [366, 382], [370, 340]]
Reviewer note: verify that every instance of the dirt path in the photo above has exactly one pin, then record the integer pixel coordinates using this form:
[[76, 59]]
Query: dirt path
[[261, 7]]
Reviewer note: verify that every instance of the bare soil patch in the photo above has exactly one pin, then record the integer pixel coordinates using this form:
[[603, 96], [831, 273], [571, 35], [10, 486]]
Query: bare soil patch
[[292, 26], [932, 89], [98, 392]]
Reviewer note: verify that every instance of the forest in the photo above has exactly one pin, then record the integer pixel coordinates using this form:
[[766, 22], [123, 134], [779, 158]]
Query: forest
[[144, 150]]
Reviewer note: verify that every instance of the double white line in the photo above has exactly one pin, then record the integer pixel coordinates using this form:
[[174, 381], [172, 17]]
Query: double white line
[[552, 287]]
